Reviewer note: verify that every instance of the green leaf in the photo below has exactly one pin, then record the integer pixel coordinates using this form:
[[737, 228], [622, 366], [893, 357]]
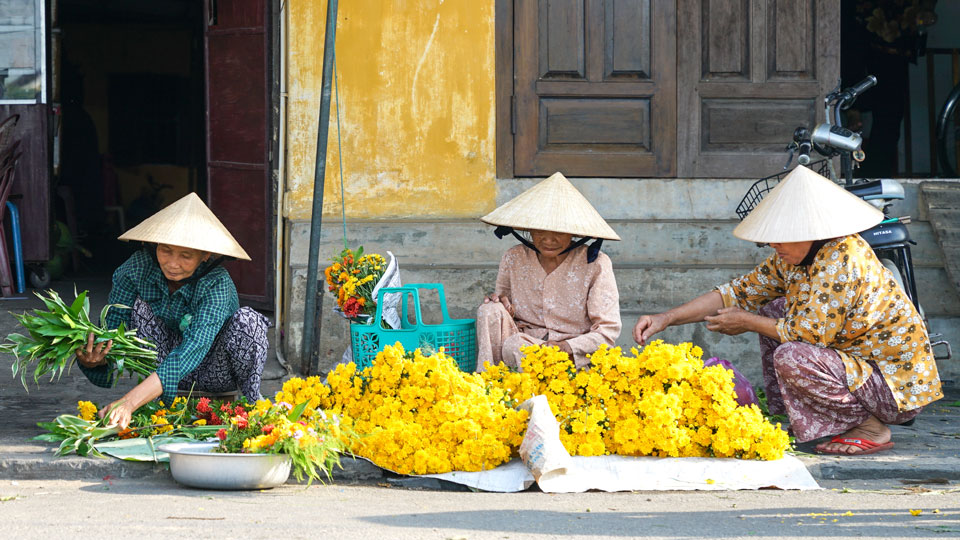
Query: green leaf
[[297, 412], [78, 303], [48, 437]]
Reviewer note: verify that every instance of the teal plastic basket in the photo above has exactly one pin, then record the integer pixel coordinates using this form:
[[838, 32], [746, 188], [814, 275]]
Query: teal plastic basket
[[458, 337]]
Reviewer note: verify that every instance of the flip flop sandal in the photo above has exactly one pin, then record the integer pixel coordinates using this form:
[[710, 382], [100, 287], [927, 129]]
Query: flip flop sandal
[[866, 446]]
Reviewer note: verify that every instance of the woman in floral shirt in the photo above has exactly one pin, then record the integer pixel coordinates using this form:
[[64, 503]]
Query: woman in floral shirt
[[844, 351]]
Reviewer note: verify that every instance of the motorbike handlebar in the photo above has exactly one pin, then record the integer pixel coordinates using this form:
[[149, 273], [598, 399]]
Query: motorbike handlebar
[[846, 98], [801, 137]]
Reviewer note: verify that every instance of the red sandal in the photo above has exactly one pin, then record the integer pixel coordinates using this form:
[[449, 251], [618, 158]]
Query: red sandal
[[866, 446]]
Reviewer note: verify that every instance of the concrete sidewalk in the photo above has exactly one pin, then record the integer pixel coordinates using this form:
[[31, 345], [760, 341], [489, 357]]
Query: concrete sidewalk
[[926, 452]]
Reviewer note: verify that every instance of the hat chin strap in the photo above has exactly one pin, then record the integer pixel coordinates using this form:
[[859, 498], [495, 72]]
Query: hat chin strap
[[593, 250]]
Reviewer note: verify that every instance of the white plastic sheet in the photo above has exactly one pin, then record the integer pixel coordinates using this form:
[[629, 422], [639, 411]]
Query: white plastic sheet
[[555, 471]]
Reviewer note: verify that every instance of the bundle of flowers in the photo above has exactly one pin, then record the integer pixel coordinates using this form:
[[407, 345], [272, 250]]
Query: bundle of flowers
[[419, 414], [311, 438], [351, 279], [659, 402], [53, 337], [77, 434], [314, 444]]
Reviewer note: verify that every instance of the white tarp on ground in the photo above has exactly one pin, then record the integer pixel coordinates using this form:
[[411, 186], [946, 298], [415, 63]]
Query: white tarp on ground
[[546, 462], [619, 473]]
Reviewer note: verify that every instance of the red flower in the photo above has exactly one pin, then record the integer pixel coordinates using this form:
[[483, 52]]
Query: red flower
[[226, 408], [240, 411], [267, 429], [222, 434], [351, 308], [242, 423], [203, 406], [214, 419]]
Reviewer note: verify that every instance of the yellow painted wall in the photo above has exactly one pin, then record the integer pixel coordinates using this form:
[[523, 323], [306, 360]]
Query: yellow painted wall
[[417, 108]]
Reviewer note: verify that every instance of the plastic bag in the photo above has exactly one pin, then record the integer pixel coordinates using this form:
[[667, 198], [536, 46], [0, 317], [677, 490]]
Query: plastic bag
[[745, 393]]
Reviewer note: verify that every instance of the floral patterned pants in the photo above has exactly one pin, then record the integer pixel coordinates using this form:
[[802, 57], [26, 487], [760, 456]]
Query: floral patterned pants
[[809, 385], [235, 360]]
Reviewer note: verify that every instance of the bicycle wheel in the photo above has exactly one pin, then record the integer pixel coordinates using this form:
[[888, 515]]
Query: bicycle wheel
[[948, 133]]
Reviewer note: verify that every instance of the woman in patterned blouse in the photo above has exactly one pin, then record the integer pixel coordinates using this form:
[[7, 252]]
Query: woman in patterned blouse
[[844, 351], [185, 303], [551, 290]]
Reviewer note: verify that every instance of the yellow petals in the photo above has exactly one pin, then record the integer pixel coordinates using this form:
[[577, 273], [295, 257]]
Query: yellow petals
[[86, 410]]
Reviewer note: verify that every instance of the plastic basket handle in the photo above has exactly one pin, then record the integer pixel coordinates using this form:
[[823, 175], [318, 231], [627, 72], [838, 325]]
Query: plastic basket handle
[[378, 318], [443, 302]]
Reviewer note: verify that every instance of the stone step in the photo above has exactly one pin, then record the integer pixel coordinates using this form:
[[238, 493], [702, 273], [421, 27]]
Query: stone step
[[642, 290], [679, 199], [644, 243]]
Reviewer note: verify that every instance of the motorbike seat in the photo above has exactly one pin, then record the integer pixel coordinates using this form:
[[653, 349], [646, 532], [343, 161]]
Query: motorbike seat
[[886, 235], [886, 189]]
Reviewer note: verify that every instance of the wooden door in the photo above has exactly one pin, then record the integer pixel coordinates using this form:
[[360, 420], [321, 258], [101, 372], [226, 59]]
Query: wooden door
[[749, 73], [239, 190], [31, 186], [594, 87]]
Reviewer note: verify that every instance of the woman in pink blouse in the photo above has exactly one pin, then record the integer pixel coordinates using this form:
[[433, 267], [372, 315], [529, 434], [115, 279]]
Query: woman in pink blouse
[[843, 349], [551, 289]]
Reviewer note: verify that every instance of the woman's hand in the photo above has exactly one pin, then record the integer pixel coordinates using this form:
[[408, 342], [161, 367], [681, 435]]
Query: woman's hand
[[648, 325], [120, 411], [500, 299], [731, 321], [562, 345], [91, 357]]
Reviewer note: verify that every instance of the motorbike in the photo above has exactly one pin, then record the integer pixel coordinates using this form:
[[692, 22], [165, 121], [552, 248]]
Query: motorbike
[[890, 239]]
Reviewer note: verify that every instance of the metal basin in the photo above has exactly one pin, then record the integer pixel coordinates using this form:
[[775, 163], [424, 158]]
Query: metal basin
[[195, 465]]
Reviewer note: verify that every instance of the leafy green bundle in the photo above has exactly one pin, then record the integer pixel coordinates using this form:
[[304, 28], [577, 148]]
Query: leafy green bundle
[[54, 337]]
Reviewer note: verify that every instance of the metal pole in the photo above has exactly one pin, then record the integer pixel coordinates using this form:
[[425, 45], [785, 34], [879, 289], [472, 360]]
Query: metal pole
[[310, 319]]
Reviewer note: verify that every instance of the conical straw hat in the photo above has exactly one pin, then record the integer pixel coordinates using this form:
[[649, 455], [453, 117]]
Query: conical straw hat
[[187, 223], [552, 205], [806, 206]]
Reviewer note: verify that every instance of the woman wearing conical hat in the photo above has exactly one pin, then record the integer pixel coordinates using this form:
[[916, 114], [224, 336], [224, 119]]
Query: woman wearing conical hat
[[844, 351], [184, 302], [551, 289]]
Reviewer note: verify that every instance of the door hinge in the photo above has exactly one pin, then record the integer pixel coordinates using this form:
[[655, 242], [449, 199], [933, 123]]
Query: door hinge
[[513, 115]]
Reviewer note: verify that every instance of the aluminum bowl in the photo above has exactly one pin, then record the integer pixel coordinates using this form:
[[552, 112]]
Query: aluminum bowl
[[194, 464]]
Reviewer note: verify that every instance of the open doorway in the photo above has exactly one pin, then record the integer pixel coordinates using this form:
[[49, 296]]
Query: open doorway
[[132, 130]]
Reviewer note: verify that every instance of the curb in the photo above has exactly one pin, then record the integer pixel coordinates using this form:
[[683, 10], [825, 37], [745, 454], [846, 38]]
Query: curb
[[916, 468], [47, 466]]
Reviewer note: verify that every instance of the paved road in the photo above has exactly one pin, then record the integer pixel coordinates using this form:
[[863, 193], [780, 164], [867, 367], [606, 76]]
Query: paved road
[[161, 509]]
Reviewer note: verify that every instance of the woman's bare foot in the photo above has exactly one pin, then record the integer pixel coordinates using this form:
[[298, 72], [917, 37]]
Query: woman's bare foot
[[872, 430]]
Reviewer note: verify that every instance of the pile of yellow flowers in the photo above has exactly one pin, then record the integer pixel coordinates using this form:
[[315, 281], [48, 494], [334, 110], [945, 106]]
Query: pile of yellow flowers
[[418, 414], [659, 402]]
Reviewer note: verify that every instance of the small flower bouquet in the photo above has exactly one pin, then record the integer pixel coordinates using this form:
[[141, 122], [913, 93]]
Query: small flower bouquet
[[53, 337], [352, 278], [78, 434], [313, 443]]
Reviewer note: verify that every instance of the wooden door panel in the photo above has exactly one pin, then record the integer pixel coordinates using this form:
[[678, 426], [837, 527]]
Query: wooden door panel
[[627, 40], [595, 88], [32, 179], [562, 48], [239, 189], [750, 72], [237, 107], [726, 40], [607, 123], [241, 206], [791, 31]]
